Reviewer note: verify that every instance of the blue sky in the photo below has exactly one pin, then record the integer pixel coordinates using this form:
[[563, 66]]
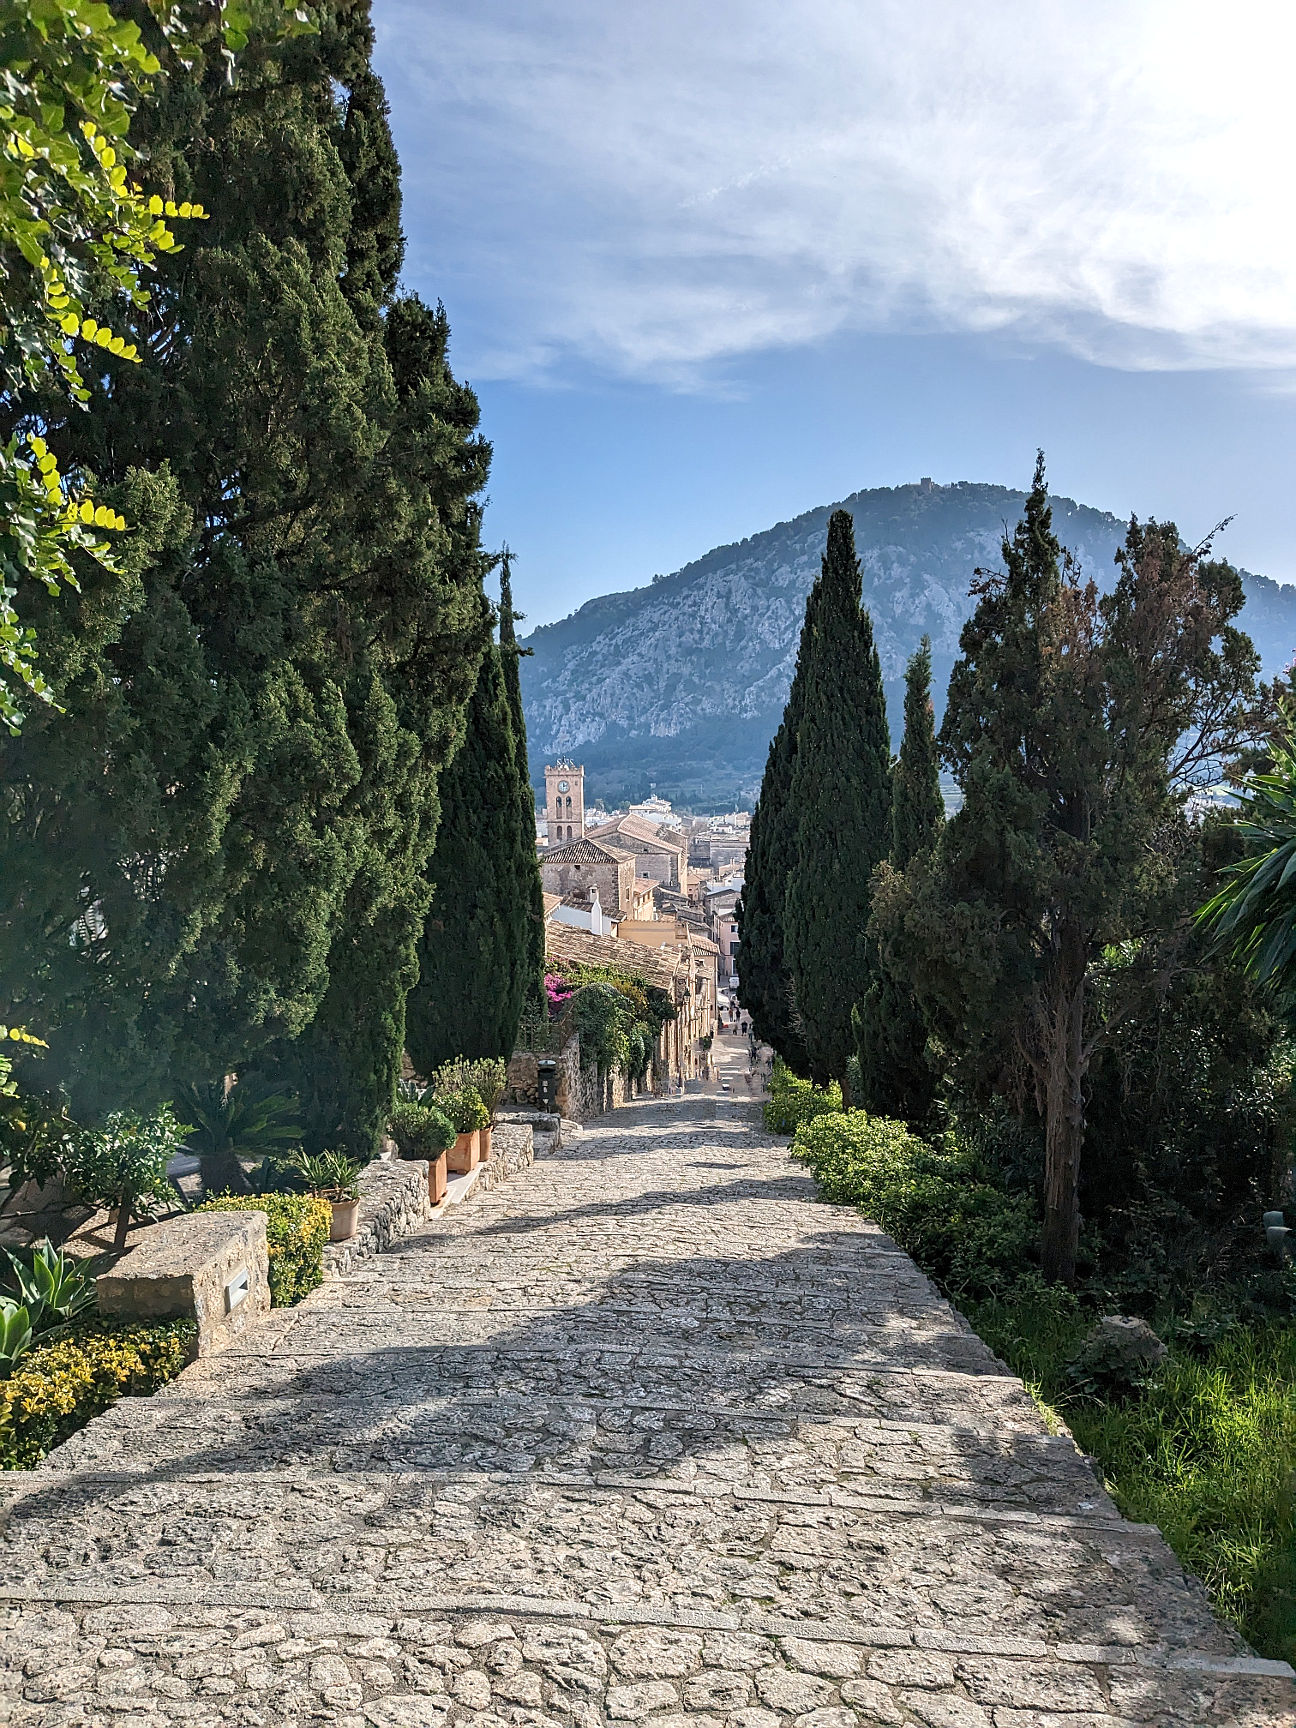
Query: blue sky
[[710, 266]]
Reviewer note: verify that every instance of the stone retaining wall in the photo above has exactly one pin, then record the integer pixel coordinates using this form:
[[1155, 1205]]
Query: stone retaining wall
[[512, 1149], [393, 1199], [394, 1196]]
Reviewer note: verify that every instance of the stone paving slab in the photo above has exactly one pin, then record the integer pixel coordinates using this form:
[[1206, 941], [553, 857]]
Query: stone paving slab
[[649, 1436]]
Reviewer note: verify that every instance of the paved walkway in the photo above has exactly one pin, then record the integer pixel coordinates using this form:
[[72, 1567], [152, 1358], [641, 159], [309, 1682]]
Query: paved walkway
[[646, 1436]]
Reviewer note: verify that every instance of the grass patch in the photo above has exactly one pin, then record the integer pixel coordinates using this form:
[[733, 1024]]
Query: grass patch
[[1207, 1453]]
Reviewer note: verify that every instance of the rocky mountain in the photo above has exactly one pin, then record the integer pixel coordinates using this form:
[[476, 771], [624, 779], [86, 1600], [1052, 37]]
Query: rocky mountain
[[681, 684]]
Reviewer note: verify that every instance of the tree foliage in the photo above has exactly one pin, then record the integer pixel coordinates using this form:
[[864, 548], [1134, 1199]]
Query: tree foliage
[[223, 842], [1253, 911], [1075, 725], [897, 1079], [78, 235], [475, 953], [532, 887], [841, 793]]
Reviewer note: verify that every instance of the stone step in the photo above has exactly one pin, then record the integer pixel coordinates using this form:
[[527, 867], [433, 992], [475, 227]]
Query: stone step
[[703, 1449], [963, 1575], [409, 1664], [803, 1386]]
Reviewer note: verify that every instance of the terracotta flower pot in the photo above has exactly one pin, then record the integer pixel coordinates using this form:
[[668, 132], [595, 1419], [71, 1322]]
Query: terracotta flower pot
[[437, 1178], [463, 1155], [486, 1140], [345, 1215]]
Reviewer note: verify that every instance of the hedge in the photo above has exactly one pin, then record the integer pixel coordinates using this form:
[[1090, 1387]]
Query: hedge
[[297, 1228], [793, 1101], [970, 1235], [56, 1388]]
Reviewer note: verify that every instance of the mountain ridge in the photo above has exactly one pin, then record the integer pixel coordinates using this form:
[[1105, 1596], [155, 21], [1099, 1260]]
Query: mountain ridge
[[681, 683]]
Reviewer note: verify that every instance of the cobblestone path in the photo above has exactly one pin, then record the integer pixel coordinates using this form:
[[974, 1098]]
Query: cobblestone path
[[646, 1436]]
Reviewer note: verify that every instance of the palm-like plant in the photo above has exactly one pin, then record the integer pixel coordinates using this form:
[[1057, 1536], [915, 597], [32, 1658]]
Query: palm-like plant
[[1253, 913], [251, 1118]]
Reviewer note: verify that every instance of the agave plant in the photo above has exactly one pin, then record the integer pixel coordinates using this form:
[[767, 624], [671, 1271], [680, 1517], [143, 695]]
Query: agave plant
[[15, 1335], [331, 1175], [52, 1288]]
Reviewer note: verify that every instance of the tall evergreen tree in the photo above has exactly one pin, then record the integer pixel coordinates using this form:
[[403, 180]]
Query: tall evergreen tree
[[917, 808], [233, 817], [895, 1077], [1051, 910], [841, 791], [475, 953], [531, 886], [764, 987]]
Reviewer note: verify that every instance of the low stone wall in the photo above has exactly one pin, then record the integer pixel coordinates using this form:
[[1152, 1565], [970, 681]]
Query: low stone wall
[[512, 1149], [393, 1199], [546, 1130]]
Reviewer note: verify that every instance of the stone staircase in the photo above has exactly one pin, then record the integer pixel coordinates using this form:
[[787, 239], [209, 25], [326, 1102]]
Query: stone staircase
[[647, 1436]]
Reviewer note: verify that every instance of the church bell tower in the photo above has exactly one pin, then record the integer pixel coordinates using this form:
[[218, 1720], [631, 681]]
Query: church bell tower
[[564, 802]]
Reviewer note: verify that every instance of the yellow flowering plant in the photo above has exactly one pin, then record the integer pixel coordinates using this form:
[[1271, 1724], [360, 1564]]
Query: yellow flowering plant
[[76, 232]]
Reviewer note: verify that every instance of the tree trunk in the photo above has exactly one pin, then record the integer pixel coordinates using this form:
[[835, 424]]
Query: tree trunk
[[1064, 1117], [124, 1206], [222, 1174]]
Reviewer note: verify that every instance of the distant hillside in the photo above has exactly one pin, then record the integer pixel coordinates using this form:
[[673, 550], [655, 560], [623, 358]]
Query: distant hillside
[[682, 684]]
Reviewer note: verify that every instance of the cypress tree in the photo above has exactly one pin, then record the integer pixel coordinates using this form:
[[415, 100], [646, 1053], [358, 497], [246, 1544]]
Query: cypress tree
[[530, 884], [841, 791], [475, 953], [235, 813], [764, 987], [917, 808], [895, 1076]]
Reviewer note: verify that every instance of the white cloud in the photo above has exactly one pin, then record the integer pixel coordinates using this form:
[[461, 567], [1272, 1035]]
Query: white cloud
[[655, 187]]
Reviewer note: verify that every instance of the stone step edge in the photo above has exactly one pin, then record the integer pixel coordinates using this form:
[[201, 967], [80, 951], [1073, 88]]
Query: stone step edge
[[280, 1337], [1096, 1523], [305, 1600], [176, 1393]]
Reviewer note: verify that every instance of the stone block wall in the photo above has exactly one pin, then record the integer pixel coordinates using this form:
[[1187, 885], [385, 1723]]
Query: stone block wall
[[512, 1149], [393, 1199], [210, 1267], [524, 1078]]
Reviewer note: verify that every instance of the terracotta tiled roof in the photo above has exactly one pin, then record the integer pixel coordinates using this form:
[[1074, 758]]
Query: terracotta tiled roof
[[551, 903], [647, 832], [579, 852], [565, 942]]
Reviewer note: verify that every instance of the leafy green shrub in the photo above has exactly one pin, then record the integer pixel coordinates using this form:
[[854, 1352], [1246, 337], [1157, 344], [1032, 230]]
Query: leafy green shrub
[[793, 1101], [464, 1110], [60, 1386], [487, 1076], [421, 1130], [123, 1165], [297, 1227], [971, 1236]]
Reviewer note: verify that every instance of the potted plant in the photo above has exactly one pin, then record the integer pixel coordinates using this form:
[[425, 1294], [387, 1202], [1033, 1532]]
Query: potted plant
[[468, 1116], [332, 1176], [424, 1131], [489, 1080]]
